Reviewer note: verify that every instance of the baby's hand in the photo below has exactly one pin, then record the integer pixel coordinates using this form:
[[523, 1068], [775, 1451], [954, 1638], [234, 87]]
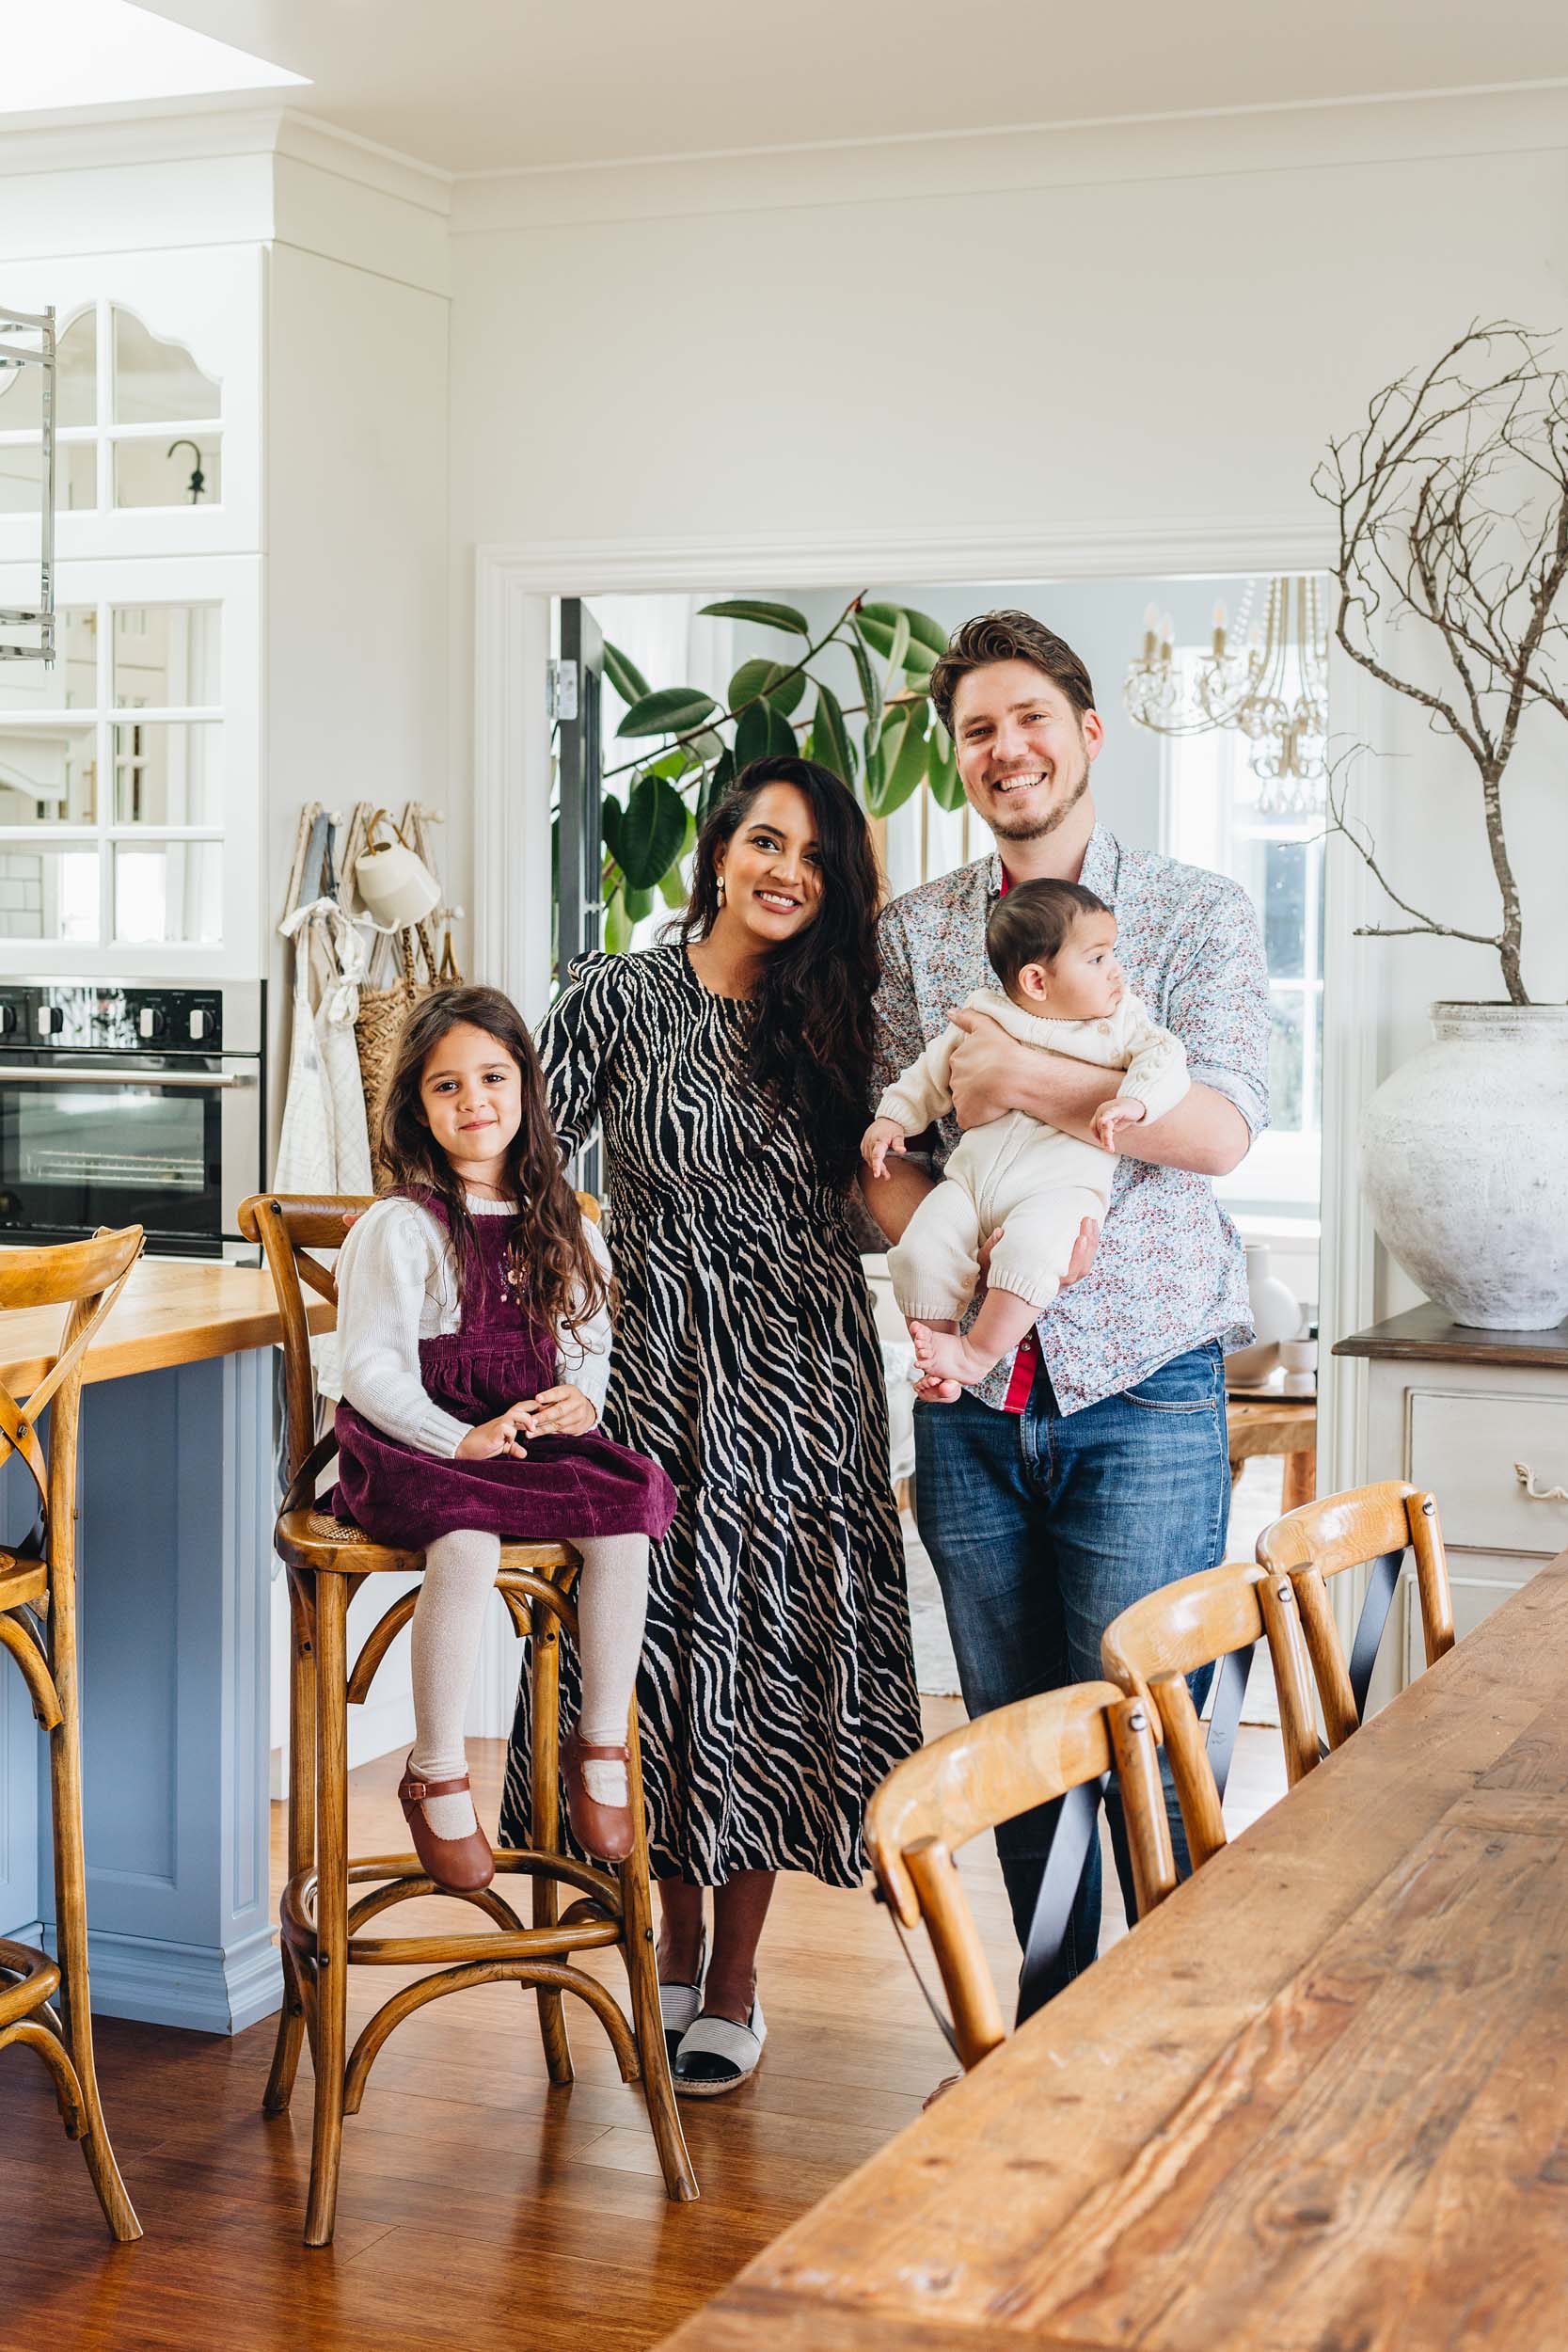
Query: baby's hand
[[882, 1136], [1124, 1110], [493, 1439]]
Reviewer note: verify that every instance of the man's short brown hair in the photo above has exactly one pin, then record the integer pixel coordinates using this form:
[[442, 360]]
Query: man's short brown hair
[[1008, 637]]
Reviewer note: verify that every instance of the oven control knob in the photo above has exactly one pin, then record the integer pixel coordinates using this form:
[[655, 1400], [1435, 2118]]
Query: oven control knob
[[199, 1024], [8, 1019], [51, 1020], [150, 1021]]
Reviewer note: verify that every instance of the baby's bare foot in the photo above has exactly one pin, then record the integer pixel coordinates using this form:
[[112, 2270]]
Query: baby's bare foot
[[946, 1356]]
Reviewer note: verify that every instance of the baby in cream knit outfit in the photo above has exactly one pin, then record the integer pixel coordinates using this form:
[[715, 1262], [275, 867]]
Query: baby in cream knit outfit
[[1053, 947]]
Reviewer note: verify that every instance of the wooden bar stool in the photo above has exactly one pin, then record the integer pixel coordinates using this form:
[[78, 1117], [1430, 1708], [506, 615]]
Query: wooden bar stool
[[1372, 1528], [38, 1626], [326, 1560], [1217, 1616], [1063, 1743]]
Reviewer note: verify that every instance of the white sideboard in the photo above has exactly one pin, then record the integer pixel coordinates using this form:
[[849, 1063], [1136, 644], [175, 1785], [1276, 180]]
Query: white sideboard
[[1481, 1417]]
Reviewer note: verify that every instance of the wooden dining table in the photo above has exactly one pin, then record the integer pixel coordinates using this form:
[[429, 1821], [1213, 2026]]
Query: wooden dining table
[[1318, 2102]]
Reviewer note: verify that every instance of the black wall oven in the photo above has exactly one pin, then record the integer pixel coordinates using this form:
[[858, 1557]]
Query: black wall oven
[[131, 1105]]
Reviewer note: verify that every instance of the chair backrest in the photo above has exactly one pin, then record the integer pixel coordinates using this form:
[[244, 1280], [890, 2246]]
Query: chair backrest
[[291, 1226], [991, 1771], [1217, 1616], [1368, 1527], [85, 1277]]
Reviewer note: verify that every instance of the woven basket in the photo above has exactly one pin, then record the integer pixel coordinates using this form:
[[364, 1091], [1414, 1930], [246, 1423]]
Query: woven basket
[[379, 1023]]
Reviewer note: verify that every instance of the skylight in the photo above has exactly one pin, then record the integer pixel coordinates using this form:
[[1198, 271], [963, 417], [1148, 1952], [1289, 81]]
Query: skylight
[[103, 52]]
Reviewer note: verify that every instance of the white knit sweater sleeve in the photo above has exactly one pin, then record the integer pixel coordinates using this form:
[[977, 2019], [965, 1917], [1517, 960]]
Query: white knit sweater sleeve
[[391, 1264], [1156, 1062], [583, 1358]]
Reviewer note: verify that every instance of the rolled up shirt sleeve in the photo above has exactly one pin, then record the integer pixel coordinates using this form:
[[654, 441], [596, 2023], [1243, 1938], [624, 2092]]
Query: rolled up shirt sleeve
[[1218, 1001]]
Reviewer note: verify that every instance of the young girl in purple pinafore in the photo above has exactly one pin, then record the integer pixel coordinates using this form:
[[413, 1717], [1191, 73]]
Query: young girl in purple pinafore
[[473, 1317]]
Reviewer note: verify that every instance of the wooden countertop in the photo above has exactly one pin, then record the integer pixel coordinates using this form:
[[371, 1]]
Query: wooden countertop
[[1316, 2098], [1425, 1333], [169, 1312]]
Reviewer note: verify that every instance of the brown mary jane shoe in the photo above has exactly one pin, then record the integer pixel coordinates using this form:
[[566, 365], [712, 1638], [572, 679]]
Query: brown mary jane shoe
[[604, 1830], [462, 1865]]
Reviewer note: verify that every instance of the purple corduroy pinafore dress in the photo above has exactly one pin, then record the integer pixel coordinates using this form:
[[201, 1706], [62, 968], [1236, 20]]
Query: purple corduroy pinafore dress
[[499, 1356]]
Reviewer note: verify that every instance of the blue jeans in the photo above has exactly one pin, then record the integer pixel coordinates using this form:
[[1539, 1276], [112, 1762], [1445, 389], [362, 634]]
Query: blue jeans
[[1042, 1527]]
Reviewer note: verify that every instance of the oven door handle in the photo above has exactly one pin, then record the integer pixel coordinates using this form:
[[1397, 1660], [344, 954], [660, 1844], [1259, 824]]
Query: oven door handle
[[203, 1080]]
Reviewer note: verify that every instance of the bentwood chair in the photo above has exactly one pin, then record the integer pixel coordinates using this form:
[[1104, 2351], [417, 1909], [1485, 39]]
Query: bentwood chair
[[1371, 1527], [38, 1626], [323, 1932], [1061, 1745], [1217, 1616]]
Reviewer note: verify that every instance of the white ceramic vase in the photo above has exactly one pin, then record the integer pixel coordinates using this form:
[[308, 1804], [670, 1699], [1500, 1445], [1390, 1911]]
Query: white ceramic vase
[[1276, 1317], [1464, 1165]]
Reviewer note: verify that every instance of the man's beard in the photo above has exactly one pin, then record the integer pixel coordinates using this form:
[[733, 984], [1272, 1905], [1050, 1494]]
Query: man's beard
[[1035, 828]]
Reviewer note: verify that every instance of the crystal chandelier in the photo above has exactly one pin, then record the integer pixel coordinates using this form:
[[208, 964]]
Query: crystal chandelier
[[1268, 682]]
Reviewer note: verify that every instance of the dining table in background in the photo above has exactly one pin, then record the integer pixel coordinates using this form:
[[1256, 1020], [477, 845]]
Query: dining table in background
[[1318, 2100]]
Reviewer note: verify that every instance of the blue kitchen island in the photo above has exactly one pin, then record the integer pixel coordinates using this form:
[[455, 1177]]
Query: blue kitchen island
[[174, 1551]]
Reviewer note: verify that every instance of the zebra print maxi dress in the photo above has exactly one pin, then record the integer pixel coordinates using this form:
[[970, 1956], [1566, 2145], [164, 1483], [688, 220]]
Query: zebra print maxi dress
[[777, 1685]]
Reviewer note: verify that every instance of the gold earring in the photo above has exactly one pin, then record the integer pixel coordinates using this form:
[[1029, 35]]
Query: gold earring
[[719, 880]]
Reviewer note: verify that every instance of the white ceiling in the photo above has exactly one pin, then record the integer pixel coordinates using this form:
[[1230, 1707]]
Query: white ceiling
[[494, 84]]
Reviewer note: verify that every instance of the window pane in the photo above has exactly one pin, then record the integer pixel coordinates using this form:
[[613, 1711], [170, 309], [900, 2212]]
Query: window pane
[[1285, 1060], [1285, 907], [72, 684], [48, 774], [171, 890], [149, 473], [22, 477], [156, 382], [48, 894], [166, 656], [168, 772], [75, 382]]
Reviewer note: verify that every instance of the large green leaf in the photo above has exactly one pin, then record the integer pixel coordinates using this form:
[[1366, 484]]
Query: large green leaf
[[762, 732], [714, 787], [652, 832], [904, 758], [625, 675], [617, 928], [871, 694], [829, 737], [674, 711], [926, 639], [639, 902], [781, 682], [610, 814], [765, 615], [672, 889], [942, 769]]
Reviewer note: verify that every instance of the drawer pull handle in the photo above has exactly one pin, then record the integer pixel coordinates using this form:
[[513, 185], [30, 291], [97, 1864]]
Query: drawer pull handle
[[1526, 1476]]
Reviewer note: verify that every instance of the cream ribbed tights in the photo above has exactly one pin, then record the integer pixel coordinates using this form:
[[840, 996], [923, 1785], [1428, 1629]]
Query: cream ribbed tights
[[460, 1573]]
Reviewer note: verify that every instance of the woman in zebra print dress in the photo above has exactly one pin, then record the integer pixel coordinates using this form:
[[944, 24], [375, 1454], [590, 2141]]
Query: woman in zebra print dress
[[730, 1074]]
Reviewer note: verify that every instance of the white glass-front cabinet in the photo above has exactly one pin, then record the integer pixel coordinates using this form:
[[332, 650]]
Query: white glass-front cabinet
[[130, 773]]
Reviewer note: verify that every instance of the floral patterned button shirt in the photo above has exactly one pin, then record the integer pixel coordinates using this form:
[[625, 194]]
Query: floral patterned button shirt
[[1169, 1272]]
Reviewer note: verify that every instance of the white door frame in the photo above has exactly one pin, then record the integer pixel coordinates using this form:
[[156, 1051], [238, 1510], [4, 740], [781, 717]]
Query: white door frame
[[513, 586]]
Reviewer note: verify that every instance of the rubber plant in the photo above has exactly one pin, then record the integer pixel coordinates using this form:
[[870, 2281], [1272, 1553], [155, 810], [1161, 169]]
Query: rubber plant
[[887, 746]]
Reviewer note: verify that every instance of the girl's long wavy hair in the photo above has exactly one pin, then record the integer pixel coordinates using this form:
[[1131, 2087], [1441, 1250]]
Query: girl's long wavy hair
[[556, 1274], [809, 1046]]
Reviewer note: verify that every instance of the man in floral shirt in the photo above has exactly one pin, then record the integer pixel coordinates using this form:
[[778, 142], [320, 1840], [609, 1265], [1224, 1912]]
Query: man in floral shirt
[[1092, 1468]]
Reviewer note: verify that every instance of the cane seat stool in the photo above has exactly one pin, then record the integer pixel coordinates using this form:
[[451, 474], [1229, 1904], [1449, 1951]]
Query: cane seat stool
[[322, 1930], [1217, 1617], [1059, 1745], [1371, 1527], [45, 2003]]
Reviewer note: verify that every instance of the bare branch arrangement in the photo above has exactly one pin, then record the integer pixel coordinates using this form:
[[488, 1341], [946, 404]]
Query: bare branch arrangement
[[1453, 509]]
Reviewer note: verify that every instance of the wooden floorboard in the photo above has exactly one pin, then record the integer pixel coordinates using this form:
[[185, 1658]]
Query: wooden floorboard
[[478, 2207]]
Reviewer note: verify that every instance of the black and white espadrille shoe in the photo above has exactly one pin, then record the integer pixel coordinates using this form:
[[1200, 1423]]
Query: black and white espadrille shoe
[[717, 2056]]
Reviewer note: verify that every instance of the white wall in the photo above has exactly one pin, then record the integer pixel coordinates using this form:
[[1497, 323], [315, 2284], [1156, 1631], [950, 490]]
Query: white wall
[[357, 555], [1107, 338]]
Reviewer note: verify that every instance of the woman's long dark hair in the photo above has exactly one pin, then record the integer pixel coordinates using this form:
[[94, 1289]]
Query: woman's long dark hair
[[556, 1272], [811, 1040]]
